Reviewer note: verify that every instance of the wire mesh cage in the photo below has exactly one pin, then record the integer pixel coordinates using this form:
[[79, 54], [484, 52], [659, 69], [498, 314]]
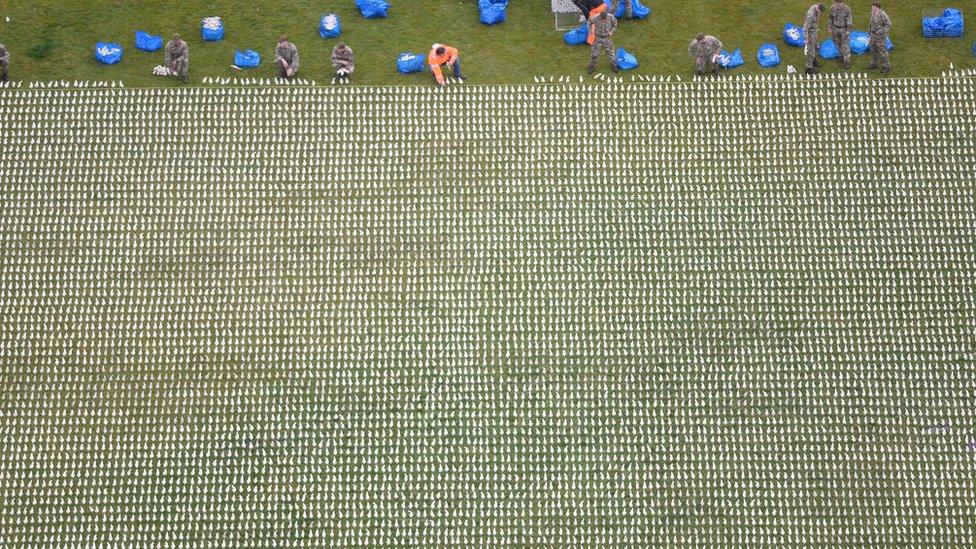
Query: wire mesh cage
[[567, 16]]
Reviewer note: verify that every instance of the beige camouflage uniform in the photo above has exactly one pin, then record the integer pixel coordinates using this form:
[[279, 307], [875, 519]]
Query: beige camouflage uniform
[[286, 51], [604, 25], [841, 23], [178, 58], [811, 35], [704, 53], [342, 58], [879, 28]]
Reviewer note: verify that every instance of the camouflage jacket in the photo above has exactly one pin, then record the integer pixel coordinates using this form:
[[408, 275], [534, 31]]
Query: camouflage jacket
[[342, 56], [812, 21], [706, 48], [880, 23], [177, 51], [288, 52], [604, 25], [841, 17]]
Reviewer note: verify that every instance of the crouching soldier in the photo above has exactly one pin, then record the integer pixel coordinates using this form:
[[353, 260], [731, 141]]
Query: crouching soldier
[[705, 50], [342, 60], [178, 58], [286, 58]]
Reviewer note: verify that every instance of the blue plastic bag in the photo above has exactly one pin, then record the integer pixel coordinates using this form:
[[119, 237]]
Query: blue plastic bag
[[639, 10], [732, 60], [828, 50], [408, 62], [948, 25], [330, 26], [768, 55], [492, 12], [212, 29], [373, 9], [626, 60], [860, 42], [793, 36], [148, 42], [577, 36], [108, 53], [247, 59]]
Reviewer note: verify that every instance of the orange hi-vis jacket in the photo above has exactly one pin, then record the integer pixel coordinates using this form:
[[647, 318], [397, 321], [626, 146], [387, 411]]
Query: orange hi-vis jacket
[[435, 61]]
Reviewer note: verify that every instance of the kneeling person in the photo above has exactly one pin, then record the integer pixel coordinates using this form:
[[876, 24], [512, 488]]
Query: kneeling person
[[342, 60], [705, 50], [444, 56], [178, 58], [4, 63], [286, 57]]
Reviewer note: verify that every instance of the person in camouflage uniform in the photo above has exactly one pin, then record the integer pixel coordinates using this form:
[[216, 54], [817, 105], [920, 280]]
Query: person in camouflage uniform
[[286, 58], [811, 35], [705, 50], [841, 22], [342, 59], [4, 63], [603, 27], [628, 8], [178, 58], [879, 28]]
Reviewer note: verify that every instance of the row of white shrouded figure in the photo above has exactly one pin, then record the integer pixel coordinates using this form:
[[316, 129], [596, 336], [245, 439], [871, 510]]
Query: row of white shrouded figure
[[712, 313]]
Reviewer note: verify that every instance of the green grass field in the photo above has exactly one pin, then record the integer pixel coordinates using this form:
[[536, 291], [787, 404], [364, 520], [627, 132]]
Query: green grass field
[[54, 39], [733, 314]]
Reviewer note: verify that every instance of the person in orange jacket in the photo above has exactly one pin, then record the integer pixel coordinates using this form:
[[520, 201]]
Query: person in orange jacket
[[590, 9], [443, 56]]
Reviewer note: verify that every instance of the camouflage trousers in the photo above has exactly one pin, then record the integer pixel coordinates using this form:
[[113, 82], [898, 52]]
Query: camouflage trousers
[[343, 64], [606, 43], [705, 64], [182, 69], [811, 47], [842, 38], [879, 51]]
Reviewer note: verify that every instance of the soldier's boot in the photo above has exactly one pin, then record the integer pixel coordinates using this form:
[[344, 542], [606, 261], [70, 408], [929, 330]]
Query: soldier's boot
[[812, 70], [816, 63], [185, 78], [590, 69], [846, 64], [614, 68], [885, 70], [3, 77]]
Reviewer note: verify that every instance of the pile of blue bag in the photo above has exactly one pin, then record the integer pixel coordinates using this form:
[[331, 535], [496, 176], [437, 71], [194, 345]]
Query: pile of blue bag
[[948, 25], [639, 10], [768, 55], [731, 60], [330, 26], [626, 60], [793, 36], [108, 53], [373, 9], [148, 42], [212, 29], [492, 12], [577, 36], [247, 59], [408, 62], [861, 43]]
